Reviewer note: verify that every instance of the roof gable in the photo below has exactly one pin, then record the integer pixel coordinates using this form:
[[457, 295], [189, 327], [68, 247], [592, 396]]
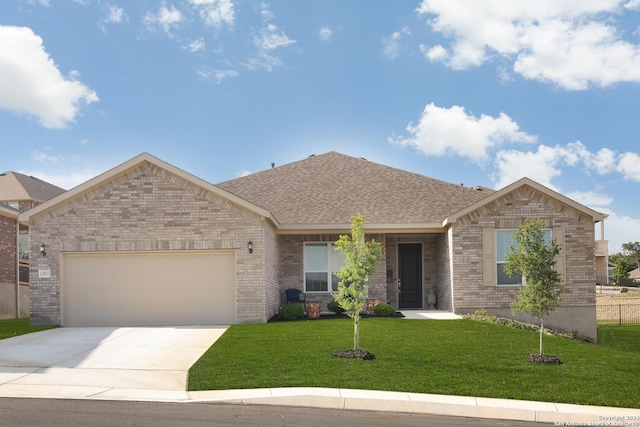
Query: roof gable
[[15, 187], [126, 167], [595, 215], [328, 189]]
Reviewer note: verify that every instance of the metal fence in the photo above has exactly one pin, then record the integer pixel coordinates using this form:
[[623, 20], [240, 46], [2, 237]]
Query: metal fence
[[618, 314]]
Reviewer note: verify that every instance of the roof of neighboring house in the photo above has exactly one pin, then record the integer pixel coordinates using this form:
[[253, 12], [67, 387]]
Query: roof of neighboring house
[[15, 187], [8, 211], [329, 188]]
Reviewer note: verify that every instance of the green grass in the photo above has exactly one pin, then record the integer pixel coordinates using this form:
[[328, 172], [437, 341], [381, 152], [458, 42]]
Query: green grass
[[462, 357], [14, 327]]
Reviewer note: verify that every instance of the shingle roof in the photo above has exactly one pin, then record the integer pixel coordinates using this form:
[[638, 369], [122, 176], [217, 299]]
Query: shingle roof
[[330, 188], [15, 187]]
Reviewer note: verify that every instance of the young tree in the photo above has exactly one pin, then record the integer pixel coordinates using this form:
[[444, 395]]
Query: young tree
[[360, 263], [534, 260]]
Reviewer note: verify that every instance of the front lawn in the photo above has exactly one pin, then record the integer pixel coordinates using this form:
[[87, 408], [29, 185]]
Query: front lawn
[[14, 327], [461, 357]]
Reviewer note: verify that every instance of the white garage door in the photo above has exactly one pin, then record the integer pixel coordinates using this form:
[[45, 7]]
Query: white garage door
[[148, 288]]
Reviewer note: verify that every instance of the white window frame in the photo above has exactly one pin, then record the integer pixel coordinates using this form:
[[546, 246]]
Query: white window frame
[[329, 271], [523, 279]]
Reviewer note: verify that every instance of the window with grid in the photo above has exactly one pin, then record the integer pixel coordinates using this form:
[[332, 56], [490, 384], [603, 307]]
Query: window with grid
[[321, 263]]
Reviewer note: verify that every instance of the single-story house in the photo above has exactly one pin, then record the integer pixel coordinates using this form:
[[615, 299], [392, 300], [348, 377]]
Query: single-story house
[[147, 243]]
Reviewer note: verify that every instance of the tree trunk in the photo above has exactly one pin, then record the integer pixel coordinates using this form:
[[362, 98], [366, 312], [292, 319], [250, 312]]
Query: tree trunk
[[355, 332], [541, 332]]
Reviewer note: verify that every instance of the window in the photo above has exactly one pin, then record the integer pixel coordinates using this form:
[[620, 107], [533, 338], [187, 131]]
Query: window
[[504, 241], [321, 262]]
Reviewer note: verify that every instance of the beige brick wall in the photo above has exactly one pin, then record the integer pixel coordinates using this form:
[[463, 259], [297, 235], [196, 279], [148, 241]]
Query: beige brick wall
[[469, 291], [292, 267], [149, 209]]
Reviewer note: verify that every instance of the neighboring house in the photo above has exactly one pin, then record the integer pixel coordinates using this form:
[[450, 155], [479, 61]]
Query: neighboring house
[[9, 265], [149, 244], [18, 193]]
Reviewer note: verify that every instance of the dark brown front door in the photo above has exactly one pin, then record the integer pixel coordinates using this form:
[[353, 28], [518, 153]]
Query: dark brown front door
[[410, 275]]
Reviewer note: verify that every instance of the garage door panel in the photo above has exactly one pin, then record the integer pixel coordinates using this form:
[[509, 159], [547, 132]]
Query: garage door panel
[[148, 288]]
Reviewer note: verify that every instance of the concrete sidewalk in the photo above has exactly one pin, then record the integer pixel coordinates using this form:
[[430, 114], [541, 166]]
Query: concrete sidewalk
[[151, 364]]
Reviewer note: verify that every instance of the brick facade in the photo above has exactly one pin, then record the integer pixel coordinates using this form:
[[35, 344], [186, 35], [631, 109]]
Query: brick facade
[[8, 249], [469, 290], [151, 209], [151, 206], [292, 267]]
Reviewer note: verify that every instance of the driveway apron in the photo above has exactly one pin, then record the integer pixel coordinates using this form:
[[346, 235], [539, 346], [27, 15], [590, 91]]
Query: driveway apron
[[104, 362]]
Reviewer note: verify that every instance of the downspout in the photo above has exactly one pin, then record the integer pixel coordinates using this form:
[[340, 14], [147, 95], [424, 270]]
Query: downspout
[[17, 269]]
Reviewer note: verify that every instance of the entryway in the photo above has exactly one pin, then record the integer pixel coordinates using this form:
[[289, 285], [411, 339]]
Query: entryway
[[410, 275]]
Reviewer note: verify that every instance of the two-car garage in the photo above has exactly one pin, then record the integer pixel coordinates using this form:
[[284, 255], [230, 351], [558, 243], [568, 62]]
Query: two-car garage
[[150, 288]]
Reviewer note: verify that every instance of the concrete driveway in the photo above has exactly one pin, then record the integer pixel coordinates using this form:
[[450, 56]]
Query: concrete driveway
[[149, 363]]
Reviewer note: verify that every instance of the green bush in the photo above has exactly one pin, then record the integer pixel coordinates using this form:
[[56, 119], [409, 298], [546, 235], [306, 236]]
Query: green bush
[[384, 310], [335, 307], [292, 312]]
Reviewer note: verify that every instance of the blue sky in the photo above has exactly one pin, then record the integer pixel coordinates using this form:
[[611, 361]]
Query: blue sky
[[476, 92]]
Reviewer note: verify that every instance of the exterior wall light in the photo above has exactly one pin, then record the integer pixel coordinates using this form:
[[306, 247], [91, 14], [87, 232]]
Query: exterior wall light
[[43, 250], [250, 246]]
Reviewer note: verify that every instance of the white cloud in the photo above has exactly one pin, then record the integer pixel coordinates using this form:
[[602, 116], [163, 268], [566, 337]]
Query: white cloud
[[265, 12], [115, 15], [620, 229], [573, 44], [591, 198], [267, 40], [633, 5], [325, 34], [392, 44], [218, 74], [165, 18], [629, 166], [196, 45], [435, 54], [443, 131], [31, 84], [65, 180], [540, 166], [603, 162], [41, 156], [216, 13]]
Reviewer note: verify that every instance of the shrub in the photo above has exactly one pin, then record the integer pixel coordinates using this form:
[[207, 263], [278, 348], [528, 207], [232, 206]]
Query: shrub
[[335, 307], [384, 310], [292, 312]]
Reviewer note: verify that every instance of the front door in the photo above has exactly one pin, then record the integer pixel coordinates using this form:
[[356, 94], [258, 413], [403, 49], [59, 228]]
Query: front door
[[410, 275]]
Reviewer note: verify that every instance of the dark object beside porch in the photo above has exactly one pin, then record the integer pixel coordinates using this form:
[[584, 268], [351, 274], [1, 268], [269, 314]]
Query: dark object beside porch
[[295, 296]]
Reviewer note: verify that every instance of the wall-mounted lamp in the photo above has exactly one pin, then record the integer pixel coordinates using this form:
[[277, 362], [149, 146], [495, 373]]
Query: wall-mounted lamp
[[250, 246], [43, 250]]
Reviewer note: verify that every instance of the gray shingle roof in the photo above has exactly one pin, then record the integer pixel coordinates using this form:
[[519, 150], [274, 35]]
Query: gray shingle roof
[[330, 188], [16, 187]]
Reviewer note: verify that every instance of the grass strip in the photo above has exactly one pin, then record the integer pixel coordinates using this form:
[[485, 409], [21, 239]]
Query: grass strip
[[462, 357]]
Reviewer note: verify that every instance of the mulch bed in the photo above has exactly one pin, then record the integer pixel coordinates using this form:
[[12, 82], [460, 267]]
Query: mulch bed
[[278, 318], [544, 359], [354, 354]]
